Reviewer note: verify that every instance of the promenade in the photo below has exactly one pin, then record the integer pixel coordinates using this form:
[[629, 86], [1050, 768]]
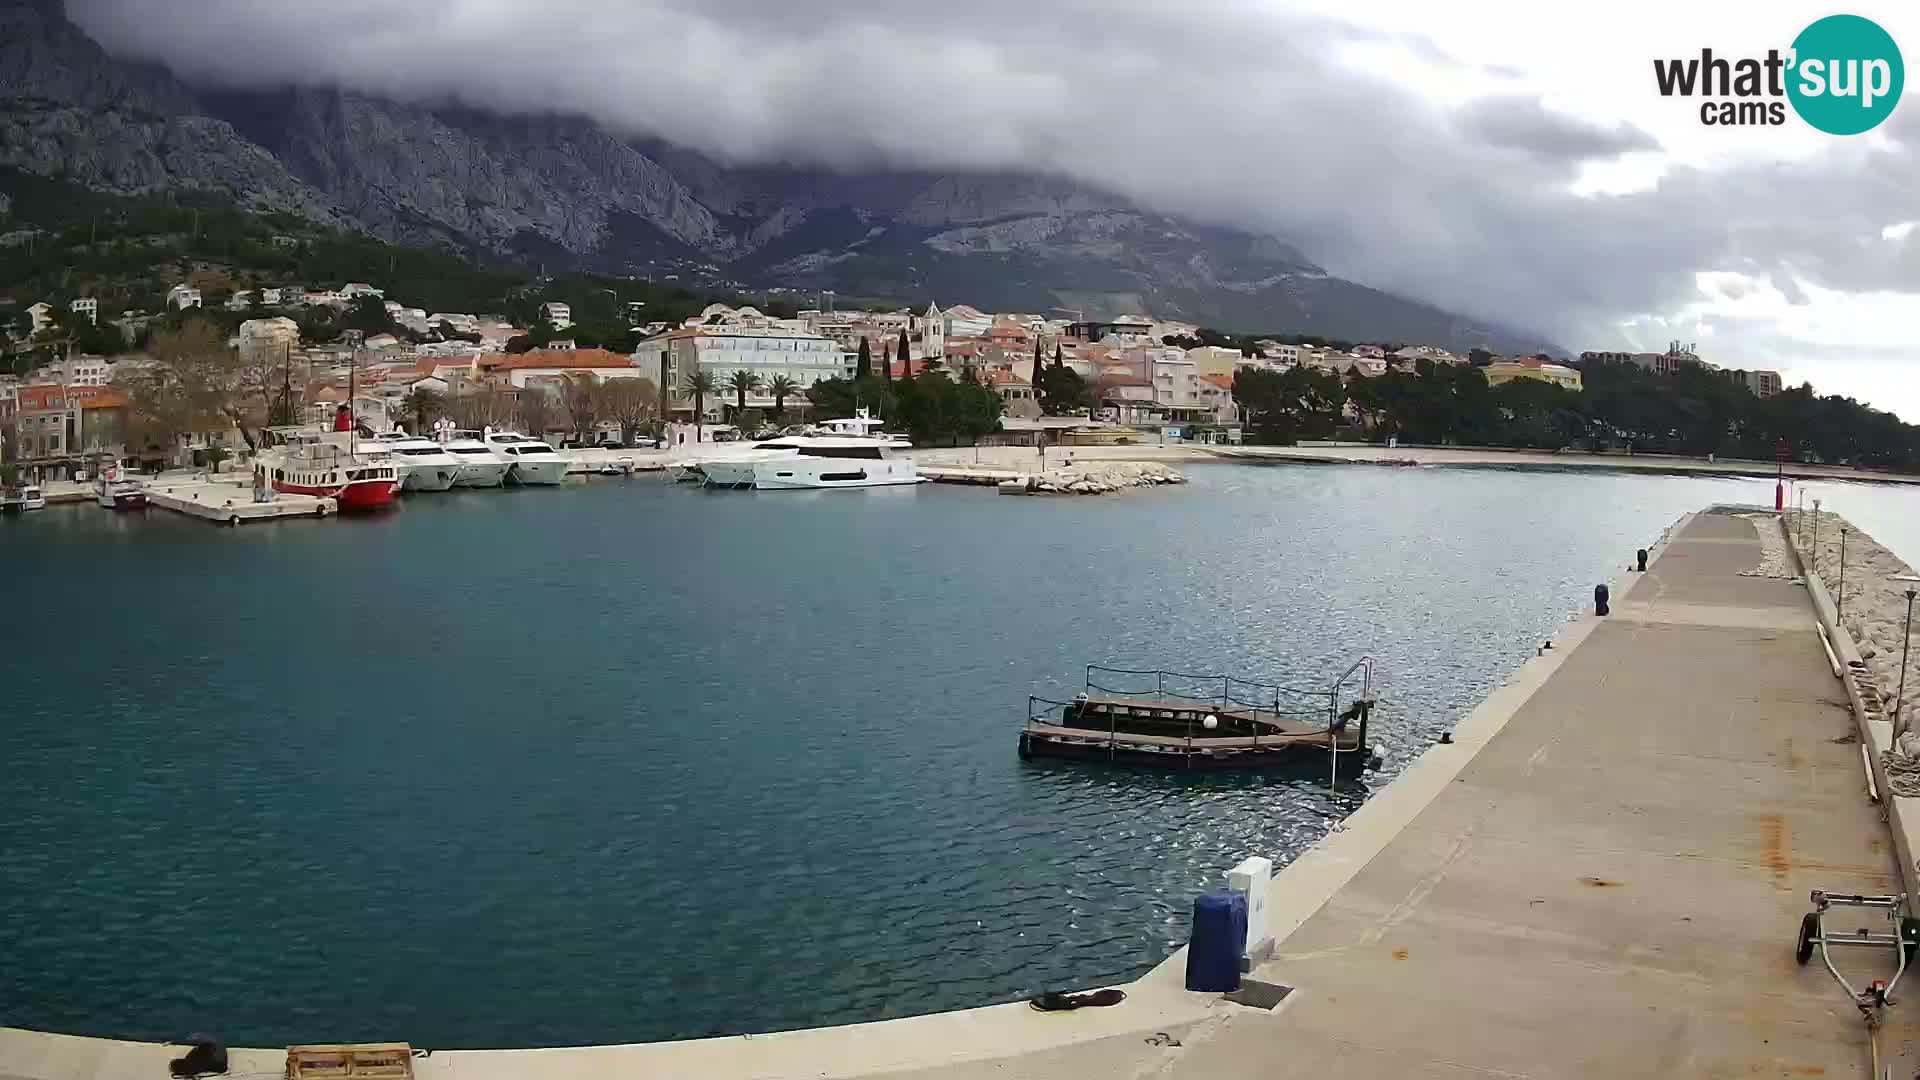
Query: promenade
[[1601, 876], [1610, 887]]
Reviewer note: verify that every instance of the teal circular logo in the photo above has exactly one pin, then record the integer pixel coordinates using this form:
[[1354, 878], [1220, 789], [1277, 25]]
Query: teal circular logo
[[1846, 75]]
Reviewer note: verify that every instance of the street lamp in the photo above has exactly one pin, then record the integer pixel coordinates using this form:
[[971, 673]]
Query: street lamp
[[1840, 602], [1906, 643], [1816, 536]]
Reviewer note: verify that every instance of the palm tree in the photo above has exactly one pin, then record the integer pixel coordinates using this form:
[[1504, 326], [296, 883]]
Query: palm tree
[[740, 382], [780, 386], [697, 384]]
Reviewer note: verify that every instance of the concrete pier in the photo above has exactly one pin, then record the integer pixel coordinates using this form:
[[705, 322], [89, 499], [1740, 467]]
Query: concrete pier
[[1608, 880], [232, 503], [1601, 875]]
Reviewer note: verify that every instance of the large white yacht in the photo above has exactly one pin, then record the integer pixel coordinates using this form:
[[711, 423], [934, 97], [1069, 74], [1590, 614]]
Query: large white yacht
[[688, 465], [852, 453], [480, 467], [529, 461], [862, 428], [423, 464]]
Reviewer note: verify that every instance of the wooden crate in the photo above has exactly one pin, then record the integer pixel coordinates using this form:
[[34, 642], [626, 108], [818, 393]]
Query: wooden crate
[[361, 1061]]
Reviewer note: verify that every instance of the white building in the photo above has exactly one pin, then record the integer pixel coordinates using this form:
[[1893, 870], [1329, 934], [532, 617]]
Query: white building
[[1413, 354], [268, 339], [354, 290], [1215, 360], [964, 320], [803, 356], [82, 370], [270, 297], [560, 315], [41, 314], [182, 297], [88, 308], [933, 334]]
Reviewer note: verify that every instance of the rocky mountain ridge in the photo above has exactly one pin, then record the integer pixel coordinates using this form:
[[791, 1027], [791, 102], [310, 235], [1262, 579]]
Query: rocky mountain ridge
[[561, 192]]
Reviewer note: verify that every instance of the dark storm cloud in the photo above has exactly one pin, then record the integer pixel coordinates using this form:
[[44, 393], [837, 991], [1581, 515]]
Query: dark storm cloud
[[1523, 123], [1239, 116]]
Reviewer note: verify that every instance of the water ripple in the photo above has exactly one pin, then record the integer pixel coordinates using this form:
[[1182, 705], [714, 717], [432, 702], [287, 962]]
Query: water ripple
[[620, 762]]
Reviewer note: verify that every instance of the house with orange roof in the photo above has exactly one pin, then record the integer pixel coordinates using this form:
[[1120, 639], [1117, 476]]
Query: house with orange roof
[[517, 369]]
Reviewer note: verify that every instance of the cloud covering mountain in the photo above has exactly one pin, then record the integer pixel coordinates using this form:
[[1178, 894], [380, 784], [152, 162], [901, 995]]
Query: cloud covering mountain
[[1516, 166]]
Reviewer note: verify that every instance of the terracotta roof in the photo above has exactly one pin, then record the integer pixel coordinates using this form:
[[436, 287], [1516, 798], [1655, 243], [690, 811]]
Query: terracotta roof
[[1224, 381], [1124, 380], [97, 397], [562, 360], [1003, 377]]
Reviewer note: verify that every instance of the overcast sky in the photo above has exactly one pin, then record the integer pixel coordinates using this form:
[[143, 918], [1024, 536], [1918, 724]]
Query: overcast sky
[[1515, 162]]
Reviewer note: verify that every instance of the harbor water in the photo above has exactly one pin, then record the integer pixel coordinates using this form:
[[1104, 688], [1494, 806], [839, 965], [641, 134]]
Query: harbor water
[[621, 761]]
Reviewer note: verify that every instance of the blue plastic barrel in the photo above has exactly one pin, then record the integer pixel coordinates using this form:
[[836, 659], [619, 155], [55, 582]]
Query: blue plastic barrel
[[1219, 937]]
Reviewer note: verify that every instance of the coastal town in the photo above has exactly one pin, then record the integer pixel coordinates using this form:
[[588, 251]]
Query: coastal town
[[728, 370]]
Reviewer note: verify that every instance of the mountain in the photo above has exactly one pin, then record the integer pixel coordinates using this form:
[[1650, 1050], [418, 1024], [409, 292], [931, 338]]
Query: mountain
[[560, 192]]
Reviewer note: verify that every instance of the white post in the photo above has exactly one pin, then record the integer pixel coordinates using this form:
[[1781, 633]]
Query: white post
[[1252, 879]]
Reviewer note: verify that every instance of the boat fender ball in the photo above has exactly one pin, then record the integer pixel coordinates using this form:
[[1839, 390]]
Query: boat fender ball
[[1210, 722], [1642, 555], [1599, 599]]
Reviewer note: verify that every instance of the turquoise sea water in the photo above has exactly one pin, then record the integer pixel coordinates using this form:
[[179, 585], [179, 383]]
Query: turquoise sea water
[[622, 761]]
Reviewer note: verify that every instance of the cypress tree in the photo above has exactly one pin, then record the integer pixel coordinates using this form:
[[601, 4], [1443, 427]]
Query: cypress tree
[[863, 367], [886, 371], [905, 353]]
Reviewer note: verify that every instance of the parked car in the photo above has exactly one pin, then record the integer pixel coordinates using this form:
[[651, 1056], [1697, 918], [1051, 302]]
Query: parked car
[[611, 444]]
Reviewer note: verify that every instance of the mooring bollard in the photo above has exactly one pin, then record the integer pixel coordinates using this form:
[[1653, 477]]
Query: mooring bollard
[[1642, 555], [1219, 937], [1599, 599]]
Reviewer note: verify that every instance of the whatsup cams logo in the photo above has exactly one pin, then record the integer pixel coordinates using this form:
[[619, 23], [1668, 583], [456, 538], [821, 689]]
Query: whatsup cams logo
[[1843, 75]]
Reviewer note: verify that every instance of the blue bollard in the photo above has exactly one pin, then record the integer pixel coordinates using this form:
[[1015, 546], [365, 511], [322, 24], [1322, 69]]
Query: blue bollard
[[1599, 599], [1219, 937]]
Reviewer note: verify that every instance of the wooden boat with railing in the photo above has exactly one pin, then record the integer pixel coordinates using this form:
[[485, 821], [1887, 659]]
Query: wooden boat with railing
[[1176, 720]]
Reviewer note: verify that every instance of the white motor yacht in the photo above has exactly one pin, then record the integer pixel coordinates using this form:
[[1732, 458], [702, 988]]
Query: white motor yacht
[[689, 465], [480, 467], [529, 461], [823, 461], [423, 464]]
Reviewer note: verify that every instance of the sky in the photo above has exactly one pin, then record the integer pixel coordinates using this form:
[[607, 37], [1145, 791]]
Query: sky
[[1512, 161]]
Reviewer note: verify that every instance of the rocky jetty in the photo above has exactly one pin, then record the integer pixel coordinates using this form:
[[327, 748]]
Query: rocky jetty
[[1094, 478]]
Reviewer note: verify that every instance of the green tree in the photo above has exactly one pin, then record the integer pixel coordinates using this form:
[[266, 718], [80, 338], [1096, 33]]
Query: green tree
[[424, 405], [935, 409], [1062, 391], [863, 365], [742, 382], [780, 387], [697, 384], [1286, 406]]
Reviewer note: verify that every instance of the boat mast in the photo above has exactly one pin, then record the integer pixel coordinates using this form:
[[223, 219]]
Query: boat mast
[[353, 370]]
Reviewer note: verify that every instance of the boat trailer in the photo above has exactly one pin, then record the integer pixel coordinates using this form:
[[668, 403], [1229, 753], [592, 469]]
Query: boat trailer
[[1904, 939]]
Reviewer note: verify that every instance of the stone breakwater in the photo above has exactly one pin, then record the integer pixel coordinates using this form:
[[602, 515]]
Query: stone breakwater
[[1873, 605], [1095, 478]]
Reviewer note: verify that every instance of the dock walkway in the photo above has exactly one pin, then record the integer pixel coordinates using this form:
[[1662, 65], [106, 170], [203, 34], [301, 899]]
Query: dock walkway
[[1612, 885]]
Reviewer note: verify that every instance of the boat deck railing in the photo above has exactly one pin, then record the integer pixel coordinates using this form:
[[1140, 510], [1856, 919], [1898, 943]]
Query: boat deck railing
[[1263, 710]]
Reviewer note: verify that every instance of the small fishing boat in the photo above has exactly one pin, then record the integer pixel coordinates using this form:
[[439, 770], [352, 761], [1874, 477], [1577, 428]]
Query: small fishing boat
[[1171, 719], [117, 491], [32, 498]]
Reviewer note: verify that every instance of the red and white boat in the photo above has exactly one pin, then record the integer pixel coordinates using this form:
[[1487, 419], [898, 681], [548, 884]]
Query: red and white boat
[[311, 463]]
